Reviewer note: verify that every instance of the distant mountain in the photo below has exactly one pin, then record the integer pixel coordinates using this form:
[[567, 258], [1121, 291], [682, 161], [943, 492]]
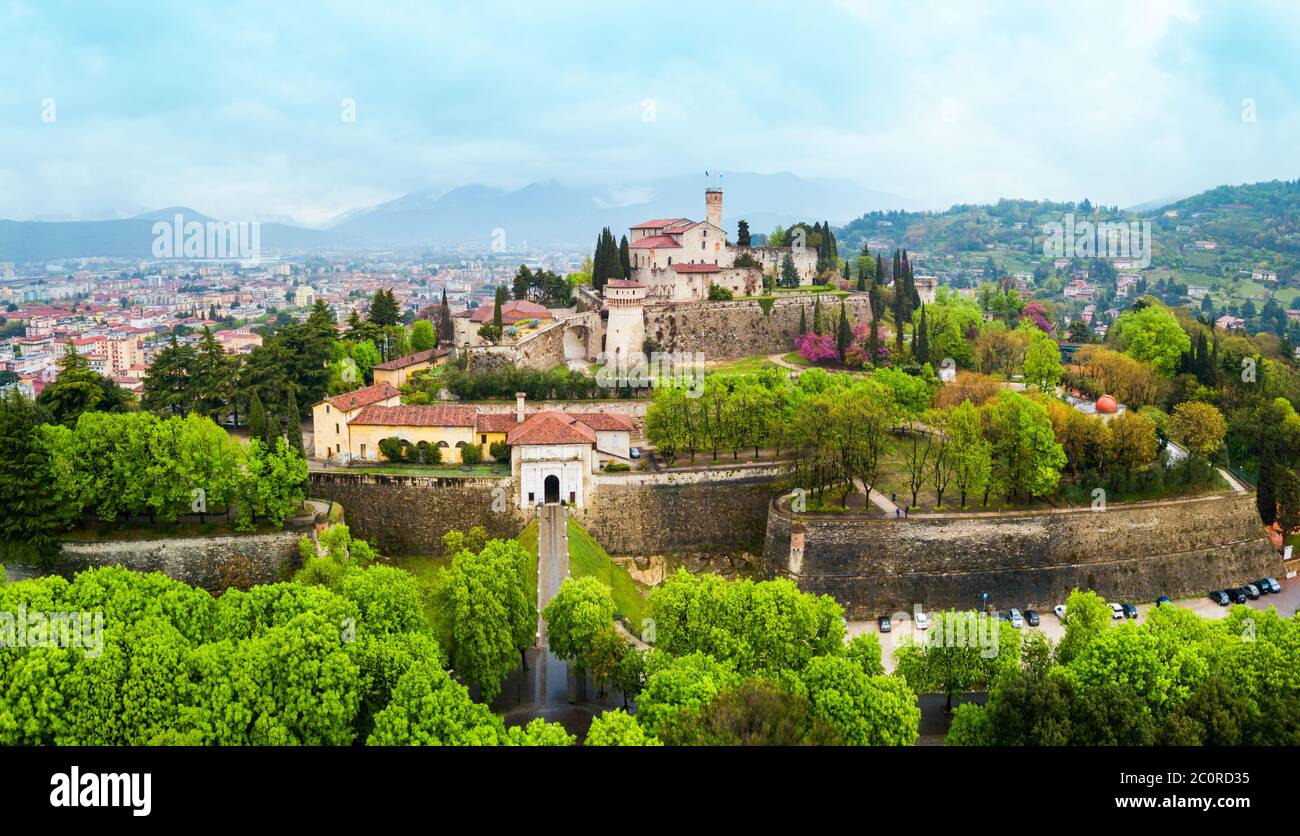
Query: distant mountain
[[22, 241], [551, 213], [544, 213]]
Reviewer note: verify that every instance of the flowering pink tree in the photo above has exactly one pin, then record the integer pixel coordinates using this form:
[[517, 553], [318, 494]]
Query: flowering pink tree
[[855, 356], [817, 349], [1038, 315]]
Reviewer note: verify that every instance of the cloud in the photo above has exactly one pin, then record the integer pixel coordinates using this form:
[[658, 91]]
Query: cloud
[[236, 110]]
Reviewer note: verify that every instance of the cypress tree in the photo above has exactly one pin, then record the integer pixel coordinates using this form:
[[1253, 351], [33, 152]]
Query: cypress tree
[[446, 333], [921, 342], [803, 320], [817, 315], [256, 418], [843, 334], [499, 301], [742, 233], [1266, 487], [625, 258]]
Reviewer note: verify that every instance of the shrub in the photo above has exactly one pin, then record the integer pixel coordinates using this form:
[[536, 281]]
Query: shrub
[[391, 448], [500, 451], [471, 454]]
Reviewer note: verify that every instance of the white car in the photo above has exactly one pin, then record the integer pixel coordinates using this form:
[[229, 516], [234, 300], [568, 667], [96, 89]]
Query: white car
[[1059, 609], [1116, 611], [922, 621], [1017, 620]]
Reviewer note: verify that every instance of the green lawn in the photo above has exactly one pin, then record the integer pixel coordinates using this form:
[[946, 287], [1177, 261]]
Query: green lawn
[[445, 471], [743, 365], [587, 558]]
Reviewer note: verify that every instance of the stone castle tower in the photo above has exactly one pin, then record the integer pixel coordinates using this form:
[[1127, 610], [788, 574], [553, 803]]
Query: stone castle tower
[[713, 206], [625, 328]]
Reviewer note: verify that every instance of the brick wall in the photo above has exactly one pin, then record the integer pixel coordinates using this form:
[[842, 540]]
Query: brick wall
[[725, 330]]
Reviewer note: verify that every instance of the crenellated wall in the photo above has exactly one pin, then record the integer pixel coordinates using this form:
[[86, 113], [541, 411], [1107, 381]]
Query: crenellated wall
[[874, 565]]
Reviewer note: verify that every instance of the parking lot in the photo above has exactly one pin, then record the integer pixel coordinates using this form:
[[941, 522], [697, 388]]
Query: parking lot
[[1286, 602]]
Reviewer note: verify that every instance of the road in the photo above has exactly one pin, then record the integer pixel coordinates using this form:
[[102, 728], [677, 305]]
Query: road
[[551, 674], [1287, 602]]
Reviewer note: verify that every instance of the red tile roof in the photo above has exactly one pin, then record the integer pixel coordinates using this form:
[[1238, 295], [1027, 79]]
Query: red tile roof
[[659, 223], [511, 312], [496, 422], [654, 242], [605, 421], [551, 428], [416, 416], [357, 398], [412, 359], [566, 427], [697, 268]]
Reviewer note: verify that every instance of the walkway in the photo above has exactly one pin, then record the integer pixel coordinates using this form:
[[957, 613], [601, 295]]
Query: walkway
[[878, 499], [779, 359], [551, 674]]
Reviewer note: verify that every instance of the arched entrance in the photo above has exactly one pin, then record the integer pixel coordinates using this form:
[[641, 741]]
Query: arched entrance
[[551, 489]]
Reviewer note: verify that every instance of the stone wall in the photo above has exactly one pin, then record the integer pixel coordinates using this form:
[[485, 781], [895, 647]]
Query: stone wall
[[680, 511], [726, 330], [874, 565], [409, 514], [543, 349], [207, 562]]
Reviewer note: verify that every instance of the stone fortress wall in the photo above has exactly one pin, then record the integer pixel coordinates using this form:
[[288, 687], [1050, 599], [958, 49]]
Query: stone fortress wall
[[876, 565], [728, 330]]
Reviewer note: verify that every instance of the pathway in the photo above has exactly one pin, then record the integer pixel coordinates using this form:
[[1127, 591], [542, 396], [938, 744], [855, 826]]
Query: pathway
[[552, 674], [779, 359], [881, 501]]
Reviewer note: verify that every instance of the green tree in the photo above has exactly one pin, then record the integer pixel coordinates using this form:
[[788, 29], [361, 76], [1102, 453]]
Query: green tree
[[1200, 427], [618, 728], [31, 514], [423, 337], [492, 612], [581, 610], [1042, 366]]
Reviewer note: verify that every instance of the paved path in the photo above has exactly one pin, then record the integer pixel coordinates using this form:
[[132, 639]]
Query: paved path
[[551, 675], [879, 499], [779, 359], [1232, 480]]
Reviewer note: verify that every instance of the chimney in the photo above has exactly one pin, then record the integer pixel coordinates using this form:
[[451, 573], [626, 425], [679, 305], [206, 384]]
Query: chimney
[[713, 206], [519, 406]]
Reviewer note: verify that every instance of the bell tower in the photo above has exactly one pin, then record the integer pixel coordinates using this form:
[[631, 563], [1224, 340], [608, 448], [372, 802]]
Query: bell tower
[[713, 207]]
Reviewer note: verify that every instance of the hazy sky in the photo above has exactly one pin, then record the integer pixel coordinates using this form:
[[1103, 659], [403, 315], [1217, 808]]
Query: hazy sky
[[237, 108]]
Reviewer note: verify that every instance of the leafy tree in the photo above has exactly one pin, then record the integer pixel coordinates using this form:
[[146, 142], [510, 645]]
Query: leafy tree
[[581, 610], [963, 650], [1153, 336], [1086, 616], [493, 615], [1026, 456], [77, 389], [423, 337], [862, 710], [31, 515], [1042, 367], [618, 728], [1200, 427]]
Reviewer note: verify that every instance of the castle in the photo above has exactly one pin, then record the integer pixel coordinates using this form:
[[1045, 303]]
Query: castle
[[679, 260]]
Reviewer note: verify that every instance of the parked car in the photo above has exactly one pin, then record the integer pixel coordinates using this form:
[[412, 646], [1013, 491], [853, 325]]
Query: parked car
[[1000, 615], [1016, 619], [1269, 584], [1252, 591], [1237, 595], [1164, 600], [922, 621], [883, 623], [1130, 611], [634, 453], [1220, 597], [1031, 618], [1116, 611], [1059, 609]]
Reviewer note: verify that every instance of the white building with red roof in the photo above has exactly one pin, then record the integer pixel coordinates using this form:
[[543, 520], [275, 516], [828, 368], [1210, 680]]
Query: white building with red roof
[[678, 259]]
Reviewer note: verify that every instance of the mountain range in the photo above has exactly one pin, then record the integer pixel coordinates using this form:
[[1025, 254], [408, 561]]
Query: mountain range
[[543, 213]]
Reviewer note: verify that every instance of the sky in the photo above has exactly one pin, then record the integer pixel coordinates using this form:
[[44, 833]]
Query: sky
[[242, 109]]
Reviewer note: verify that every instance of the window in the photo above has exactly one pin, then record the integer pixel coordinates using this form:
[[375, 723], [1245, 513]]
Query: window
[[336, 429], [327, 409], [482, 439], [670, 261], [530, 497]]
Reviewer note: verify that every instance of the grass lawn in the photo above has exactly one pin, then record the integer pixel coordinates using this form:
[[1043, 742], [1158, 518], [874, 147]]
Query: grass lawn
[[588, 559], [743, 365], [446, 471]]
